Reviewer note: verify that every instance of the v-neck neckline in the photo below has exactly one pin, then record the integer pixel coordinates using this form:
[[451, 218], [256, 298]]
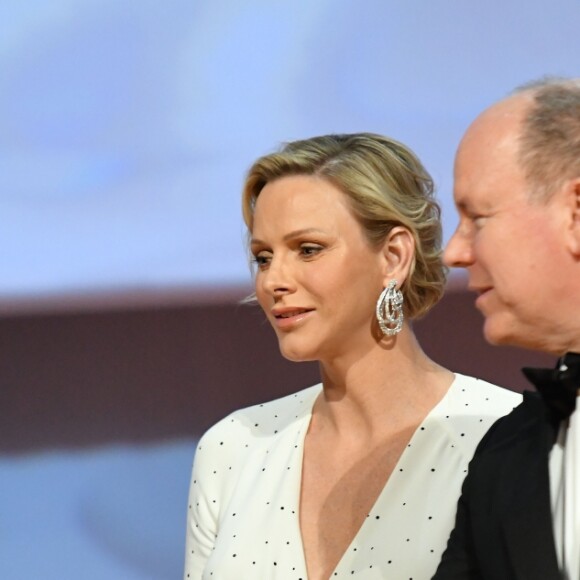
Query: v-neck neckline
[[297, 485]]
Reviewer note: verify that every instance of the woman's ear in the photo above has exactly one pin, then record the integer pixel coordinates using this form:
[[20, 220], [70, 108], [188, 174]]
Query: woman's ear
[[398, 255]]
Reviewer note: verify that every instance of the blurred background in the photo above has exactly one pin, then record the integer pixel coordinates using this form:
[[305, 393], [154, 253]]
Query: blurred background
[[126, 127]]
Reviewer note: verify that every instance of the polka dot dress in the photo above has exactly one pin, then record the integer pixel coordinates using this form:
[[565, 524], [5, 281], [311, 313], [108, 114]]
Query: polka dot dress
[[244, 497]]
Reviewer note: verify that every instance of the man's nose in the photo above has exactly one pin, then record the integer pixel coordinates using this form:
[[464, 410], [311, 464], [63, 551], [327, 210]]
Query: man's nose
[[459, 251]]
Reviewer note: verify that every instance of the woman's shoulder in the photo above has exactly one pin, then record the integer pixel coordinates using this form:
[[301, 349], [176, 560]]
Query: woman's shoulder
[[227, 448], [468, 410], [480, 396], [264, 419]]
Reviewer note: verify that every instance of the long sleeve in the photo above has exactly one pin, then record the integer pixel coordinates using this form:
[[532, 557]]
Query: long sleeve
[[201, 517]]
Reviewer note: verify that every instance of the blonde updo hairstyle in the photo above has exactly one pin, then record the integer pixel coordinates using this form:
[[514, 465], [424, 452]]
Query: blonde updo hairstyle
[[386, 185]]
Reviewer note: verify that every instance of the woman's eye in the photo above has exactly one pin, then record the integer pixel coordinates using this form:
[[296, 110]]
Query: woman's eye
[[261, 260], [310, 250]]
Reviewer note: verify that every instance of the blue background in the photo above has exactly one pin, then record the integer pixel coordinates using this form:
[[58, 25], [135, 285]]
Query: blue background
[[126, 127]]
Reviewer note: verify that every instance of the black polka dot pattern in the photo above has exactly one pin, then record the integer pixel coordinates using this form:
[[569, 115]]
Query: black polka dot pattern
[[244, 497]]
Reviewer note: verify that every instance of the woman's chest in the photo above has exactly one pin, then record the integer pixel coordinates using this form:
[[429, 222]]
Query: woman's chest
[[403, 532]]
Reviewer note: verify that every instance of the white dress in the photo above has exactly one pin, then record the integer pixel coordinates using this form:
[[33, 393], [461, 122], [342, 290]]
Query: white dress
[[244, 498]]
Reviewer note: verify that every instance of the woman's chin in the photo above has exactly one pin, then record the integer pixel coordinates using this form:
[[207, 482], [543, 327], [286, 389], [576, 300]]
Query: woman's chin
[[295, 357], [297, 354]]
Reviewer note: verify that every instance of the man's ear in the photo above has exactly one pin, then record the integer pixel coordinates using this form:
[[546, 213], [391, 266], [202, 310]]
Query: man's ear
[[398, 255], [572, 193]]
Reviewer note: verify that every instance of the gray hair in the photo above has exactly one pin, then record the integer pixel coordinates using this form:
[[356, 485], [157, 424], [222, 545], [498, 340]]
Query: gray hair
[[549, 141]]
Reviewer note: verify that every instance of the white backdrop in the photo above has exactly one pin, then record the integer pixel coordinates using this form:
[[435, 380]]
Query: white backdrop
[[126, 126]]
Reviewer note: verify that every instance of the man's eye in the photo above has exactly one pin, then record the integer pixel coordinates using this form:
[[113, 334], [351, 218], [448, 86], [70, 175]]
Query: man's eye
[[478, 220]]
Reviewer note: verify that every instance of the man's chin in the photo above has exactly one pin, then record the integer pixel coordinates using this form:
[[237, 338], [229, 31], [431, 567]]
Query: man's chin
[[497, 335]]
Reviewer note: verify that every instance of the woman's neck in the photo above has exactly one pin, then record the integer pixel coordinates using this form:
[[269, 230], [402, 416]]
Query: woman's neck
[[380, 389]]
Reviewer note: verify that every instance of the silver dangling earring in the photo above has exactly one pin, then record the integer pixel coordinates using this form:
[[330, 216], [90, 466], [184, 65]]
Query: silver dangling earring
[[390, 310]]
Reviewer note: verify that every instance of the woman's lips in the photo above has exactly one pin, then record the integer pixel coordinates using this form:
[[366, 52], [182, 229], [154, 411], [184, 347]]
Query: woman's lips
[[288, 318]]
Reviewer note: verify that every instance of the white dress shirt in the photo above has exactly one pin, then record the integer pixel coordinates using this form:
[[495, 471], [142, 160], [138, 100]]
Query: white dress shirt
[[565, 496]]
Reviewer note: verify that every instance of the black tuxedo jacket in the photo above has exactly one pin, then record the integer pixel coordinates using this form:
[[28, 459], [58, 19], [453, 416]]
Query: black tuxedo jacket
[[503, 529]]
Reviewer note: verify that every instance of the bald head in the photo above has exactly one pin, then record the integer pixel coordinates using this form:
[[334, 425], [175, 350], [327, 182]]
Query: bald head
[[494, 135], [518, 234], [500, 122], [544, 119], [491, 145]]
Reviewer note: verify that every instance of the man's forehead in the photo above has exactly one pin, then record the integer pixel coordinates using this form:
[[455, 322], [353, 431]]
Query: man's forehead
[[491, 143], [499, 124], [488, 154]]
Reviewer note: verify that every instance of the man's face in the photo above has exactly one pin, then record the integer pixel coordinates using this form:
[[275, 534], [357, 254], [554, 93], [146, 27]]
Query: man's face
[[509, 244]]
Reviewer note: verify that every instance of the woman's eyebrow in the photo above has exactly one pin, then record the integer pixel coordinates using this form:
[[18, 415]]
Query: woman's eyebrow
[[292, 235]]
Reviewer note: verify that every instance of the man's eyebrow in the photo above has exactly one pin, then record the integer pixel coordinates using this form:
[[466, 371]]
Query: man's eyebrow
[[462, 205]]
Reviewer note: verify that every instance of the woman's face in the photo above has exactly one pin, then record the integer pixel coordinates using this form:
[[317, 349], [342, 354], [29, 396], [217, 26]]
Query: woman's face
[[317, 277]]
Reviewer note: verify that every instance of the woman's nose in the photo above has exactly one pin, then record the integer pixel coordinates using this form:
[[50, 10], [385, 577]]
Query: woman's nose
[[278, 279]]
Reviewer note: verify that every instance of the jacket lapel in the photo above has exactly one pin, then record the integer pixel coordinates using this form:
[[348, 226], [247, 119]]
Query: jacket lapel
[[528, 526]]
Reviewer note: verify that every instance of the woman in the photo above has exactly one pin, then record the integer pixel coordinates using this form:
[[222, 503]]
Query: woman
[[357, 476]]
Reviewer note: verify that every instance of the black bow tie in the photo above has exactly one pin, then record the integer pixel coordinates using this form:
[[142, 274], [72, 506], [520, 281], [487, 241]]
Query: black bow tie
[[558, 386]]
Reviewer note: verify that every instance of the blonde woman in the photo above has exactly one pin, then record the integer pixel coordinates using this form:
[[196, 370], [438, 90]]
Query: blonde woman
[[357, 476]]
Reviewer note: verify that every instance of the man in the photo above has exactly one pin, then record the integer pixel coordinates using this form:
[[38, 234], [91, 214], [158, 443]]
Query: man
[[517, 192]]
